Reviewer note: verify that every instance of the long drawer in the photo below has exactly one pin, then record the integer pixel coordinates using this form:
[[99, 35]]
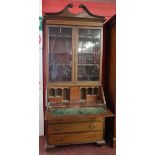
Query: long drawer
[[74, 137], [75, 127], [73, 120]]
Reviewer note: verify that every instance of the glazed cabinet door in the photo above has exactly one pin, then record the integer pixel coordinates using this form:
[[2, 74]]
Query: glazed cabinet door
[[89, 54], [60, 54]]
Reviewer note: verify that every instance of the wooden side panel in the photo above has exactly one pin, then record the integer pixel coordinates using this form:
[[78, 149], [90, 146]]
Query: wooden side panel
[[74, 93], [75, 127], [109, 76], [75, 137], [44, 67]]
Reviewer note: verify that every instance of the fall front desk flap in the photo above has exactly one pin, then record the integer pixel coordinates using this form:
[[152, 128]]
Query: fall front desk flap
[[77, 111]]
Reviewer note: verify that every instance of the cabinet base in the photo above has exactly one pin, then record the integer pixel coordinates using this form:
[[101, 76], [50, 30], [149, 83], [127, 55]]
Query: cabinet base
[[99, 143]]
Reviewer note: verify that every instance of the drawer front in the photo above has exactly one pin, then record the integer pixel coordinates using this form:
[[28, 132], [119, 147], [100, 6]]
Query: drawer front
[[73, 120], [75, 137], [55, 99], [75, 127]]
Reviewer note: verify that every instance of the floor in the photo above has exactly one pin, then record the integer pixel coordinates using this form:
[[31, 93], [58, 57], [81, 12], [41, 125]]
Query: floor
[[80, 149]]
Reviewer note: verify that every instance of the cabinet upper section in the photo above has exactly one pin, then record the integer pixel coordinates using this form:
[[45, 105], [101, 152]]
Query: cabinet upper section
[[73, 47]]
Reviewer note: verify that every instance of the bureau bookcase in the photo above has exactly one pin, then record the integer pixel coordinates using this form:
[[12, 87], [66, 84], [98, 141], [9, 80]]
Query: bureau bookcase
[[73, 57]]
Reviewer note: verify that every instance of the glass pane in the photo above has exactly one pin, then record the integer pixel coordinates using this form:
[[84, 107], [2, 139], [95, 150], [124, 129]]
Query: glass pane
[[60, 54], [89, 49]]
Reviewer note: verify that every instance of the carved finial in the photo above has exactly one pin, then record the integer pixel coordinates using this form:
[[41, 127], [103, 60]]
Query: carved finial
[[88, 12]]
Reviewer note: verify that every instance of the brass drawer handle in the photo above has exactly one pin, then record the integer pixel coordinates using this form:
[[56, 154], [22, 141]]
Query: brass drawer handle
[[92, 126]]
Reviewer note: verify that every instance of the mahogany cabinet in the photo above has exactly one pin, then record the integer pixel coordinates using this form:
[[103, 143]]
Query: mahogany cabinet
[[75, 104]]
